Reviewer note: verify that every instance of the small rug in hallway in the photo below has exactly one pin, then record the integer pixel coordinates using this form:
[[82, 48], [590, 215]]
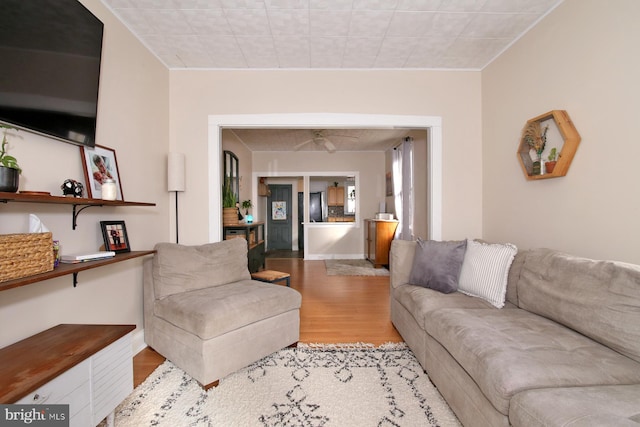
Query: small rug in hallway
[[353, 267], [345, 385]]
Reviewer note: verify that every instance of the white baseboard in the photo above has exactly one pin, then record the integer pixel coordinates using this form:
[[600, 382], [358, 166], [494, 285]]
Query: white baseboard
[[137, 341]]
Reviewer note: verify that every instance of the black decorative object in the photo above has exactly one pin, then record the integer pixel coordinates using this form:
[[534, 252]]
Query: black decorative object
[[72, 188]]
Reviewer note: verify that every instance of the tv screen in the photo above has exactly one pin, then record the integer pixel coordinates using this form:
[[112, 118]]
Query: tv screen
[[50, 53]]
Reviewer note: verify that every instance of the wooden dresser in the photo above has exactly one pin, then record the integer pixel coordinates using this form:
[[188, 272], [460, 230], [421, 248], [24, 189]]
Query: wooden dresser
[[378, 237]]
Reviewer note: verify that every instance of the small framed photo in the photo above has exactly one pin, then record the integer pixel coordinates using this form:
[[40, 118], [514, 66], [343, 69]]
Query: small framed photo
[[99, 163], [115, 236]]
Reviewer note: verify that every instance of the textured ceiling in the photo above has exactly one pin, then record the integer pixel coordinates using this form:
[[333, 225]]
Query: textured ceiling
[[329, 34]]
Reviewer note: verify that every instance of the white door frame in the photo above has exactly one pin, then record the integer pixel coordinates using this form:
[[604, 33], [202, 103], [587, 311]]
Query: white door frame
[[432, 124]]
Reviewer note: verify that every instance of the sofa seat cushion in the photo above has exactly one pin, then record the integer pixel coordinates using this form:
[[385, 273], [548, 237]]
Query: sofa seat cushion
[[508, 351], [214, 311], [577, 406], [419, 301]]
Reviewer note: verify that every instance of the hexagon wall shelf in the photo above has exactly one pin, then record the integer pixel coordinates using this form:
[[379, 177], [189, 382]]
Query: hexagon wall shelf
[[563, 136]]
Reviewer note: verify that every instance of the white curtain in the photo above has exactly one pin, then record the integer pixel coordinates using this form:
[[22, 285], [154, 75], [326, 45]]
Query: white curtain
[[403, 188]]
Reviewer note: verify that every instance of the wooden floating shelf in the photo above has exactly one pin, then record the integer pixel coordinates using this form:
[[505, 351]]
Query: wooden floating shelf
[[66, 269], [62, 200]]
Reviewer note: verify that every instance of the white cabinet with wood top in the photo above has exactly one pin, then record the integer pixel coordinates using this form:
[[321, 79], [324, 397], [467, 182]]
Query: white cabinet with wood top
[[88, 367]]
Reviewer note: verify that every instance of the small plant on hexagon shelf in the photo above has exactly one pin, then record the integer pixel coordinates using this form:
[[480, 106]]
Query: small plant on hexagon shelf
[[536, 138], [551, 164]]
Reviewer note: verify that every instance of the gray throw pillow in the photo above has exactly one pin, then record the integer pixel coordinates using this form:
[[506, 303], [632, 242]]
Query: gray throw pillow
[[436, 265]]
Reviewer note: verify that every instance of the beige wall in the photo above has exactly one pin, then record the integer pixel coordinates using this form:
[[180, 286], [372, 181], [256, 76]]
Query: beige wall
[[582, 58], [454, 96], [133, 120]]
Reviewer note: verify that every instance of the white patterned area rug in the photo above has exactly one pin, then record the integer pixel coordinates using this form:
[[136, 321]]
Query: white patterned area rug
[[345, 385], [353, 267]]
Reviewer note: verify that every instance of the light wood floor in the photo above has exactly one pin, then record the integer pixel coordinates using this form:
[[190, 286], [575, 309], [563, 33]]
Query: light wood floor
[[335, 309]]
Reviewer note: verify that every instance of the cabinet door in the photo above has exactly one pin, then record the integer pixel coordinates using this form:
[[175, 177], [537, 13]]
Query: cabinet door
[[372, 241], [339, 196], [72, 388], [335, 196], [331, 199], [111, 377]]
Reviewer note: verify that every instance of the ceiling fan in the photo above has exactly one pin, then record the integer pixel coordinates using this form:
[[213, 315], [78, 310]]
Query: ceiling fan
[[320, 138]]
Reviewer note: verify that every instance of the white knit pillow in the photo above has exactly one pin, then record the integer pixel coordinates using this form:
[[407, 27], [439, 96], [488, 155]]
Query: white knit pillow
[[485, 271]]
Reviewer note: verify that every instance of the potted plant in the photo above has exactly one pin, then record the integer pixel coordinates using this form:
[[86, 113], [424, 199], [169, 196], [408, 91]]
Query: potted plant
[[552, 160], [9, 169], [246, 205], [229, 208]]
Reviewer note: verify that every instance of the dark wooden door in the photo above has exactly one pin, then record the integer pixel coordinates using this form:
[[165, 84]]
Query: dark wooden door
[[279, 217]]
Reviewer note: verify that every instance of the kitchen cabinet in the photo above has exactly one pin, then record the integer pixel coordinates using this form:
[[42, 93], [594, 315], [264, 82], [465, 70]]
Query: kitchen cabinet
[[335, 196]]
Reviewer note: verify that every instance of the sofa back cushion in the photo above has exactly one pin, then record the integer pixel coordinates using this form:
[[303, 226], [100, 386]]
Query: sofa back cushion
[[485, 271], [599, 299], [401, 261], [514, 277], [436, 265], [179, 268]]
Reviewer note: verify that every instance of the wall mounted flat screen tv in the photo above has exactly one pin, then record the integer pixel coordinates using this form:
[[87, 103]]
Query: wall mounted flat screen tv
[[50, 52]]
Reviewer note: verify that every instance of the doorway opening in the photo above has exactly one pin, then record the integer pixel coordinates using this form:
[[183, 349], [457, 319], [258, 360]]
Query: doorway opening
[[432, 125]]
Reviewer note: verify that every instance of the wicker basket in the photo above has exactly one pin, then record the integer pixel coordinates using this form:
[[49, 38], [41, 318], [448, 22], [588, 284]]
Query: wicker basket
[[23, 255]]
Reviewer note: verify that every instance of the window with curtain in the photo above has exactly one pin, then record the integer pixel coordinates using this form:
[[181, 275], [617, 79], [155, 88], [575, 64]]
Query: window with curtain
[[403, 188]]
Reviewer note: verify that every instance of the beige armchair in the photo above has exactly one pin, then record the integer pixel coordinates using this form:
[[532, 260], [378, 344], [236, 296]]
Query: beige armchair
[[203, 312]]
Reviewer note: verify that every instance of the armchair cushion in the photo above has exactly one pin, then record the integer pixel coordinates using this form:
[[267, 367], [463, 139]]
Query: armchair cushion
[[179, 268]]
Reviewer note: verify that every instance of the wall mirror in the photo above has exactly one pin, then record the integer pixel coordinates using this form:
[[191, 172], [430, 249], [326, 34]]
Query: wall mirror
[[231, 172]]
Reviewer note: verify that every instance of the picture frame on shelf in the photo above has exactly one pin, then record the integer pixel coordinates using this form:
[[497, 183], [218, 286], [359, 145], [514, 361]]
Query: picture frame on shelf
[[114, 234], [98, 164]]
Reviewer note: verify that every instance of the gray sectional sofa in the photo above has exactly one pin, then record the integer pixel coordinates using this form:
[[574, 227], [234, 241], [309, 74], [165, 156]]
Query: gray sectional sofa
[[563, 351]]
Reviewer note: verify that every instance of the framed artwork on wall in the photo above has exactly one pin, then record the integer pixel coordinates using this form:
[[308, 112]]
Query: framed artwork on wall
[[279, 211]]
